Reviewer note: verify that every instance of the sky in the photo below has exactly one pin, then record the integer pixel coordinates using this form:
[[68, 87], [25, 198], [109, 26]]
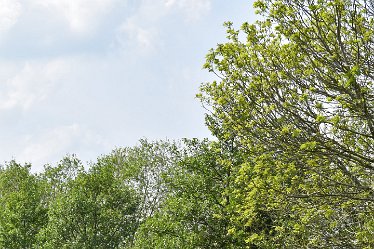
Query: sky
[[85, 77]]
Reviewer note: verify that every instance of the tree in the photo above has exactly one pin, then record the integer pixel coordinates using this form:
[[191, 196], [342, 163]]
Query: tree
[[95, 210], [22, 214], [143, 168], [297, 97], [56, 179], [105, 205], [195, 212]]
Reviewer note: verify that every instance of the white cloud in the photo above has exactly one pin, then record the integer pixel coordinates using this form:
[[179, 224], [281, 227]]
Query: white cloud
[[31, 84], [10, 10], [81, 15], [52, 142], [131, 33], [142, 30], [55, 143], [193, 9]]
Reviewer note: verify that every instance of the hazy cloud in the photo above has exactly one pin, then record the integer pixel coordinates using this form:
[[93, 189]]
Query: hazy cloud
[[40, 149], [132, 34], [193, 9], [81, 15], [31, 84], [10, 10], [141, 30], [74, 78]]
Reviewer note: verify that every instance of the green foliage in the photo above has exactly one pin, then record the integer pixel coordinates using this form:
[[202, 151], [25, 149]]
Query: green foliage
[[297, 98], [68, 206], [195, 212], [22, 214], [143, 168], [292, 166], [96, 210]]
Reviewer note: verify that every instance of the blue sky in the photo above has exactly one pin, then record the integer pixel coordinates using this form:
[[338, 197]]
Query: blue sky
[[87, 76]]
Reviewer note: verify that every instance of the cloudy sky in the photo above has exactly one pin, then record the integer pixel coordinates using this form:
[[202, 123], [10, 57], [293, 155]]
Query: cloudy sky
[[87, 76]]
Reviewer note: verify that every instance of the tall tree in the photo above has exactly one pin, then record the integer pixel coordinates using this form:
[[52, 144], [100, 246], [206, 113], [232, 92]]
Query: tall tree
[[297, 96], [56, 179], [96, 209], [143, 167], [196, 211]]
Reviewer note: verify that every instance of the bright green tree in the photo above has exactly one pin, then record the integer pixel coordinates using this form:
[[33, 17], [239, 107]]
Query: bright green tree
[[296, 94]]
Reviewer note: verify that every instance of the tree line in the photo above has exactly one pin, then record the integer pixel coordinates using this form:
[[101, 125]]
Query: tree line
[[291, 166]]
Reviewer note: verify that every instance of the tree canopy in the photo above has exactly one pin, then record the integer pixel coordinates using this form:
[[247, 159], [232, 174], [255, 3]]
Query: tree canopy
[[291, 165], [296, 94]]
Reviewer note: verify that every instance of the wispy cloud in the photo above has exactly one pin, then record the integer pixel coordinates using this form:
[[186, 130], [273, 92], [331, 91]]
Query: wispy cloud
[[134, 35], [82, 16], [10, 11], [84, 76], [192, 9], [141, 31], [56, 142], [31, 84]]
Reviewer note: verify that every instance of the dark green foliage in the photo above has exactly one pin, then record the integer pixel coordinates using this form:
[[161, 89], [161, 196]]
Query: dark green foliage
[[195, 213], [22, 213], [96, 211]]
